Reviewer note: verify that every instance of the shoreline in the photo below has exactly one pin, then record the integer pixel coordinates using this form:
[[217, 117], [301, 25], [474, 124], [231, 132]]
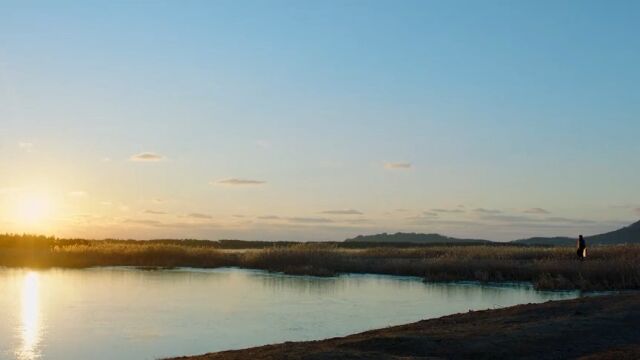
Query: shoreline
[[498, 284], [590, 327], [608, 267]]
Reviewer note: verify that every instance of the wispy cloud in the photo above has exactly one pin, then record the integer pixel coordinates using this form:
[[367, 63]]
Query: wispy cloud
[[358, 221], [238, 182], [569, 220], [529, 219], [172, 225], [510, 218], [147, 157], [637, 210], [269, 217], [309, 220], [397, 165], [429, 213], [452, 211], [342, 212], [26, 146], [431, 221], [157, 201], [199, 216], [536, 211], [155, 212], [142, 222], [487, 211]]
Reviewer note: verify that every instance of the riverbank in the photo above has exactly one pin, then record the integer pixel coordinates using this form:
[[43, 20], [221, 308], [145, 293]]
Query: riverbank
[[612, 267], [598, 327]]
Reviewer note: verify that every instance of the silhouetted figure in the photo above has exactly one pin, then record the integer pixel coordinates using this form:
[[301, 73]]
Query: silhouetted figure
[[582, 248]]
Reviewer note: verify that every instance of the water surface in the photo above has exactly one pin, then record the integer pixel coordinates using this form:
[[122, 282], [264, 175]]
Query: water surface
[[124, 313]]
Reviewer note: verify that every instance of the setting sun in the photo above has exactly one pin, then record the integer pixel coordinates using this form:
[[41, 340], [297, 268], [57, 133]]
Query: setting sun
[[33, 209]]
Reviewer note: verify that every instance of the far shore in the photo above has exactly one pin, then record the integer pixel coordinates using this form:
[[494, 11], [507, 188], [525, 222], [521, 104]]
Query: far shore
[[588, 328], [612, 267]]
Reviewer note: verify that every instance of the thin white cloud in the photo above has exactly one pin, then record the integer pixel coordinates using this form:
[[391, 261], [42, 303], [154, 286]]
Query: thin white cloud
[[238, 182], [452, 211], [142, 222], [510, 218], [26, 146], [342, 212], [173, 225], [487, 211], [358, 221], [568, 220], [397, 165], [309, 220], [147, 157], [515, 219], [536, 211], [430, 221], [199, 216]]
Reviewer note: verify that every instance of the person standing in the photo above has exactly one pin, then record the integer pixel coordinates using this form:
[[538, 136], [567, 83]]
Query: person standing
[[582, 248]]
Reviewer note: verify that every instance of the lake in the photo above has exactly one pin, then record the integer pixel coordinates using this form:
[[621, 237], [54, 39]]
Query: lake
[[126, 313]]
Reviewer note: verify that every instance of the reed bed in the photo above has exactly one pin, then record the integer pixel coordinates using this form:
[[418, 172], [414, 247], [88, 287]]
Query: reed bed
[[607, 267]]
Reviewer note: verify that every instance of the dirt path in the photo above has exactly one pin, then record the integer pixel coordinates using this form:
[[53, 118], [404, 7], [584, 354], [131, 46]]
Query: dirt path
[[602, 327]]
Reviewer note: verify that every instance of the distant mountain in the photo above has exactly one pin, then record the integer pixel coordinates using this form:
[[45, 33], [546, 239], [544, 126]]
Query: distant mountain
[[412, 238], [627, 235]]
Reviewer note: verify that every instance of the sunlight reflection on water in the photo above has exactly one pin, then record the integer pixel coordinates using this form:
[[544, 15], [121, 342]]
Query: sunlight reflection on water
[[125, 313], [30, 331]]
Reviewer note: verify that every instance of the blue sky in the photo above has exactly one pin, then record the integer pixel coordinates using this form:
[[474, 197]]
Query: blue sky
[[493, 119]]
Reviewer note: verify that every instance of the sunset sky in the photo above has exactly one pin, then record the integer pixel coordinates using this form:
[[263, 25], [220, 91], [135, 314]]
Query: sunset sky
[[318, 120]]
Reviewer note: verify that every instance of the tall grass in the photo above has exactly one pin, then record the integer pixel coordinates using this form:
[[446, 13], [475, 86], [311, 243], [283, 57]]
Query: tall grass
[[607, 267]]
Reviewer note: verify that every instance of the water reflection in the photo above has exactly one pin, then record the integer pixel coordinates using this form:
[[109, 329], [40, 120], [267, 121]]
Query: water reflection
[[126, 313], [30, 331], [302, 284]]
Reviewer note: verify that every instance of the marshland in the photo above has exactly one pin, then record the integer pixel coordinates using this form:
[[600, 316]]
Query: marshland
[[546, 267]]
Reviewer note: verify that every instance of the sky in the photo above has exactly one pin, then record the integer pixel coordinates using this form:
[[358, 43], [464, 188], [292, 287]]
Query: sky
[[318, 120]]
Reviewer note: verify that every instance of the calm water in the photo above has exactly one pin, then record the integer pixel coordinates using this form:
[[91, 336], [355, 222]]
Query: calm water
[[122, 313]]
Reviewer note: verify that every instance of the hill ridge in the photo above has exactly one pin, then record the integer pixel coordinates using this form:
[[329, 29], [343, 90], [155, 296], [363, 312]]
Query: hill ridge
[[626, 235]]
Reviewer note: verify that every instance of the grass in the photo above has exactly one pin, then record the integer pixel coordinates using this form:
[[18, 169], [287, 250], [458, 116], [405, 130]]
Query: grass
[[607, 267]]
